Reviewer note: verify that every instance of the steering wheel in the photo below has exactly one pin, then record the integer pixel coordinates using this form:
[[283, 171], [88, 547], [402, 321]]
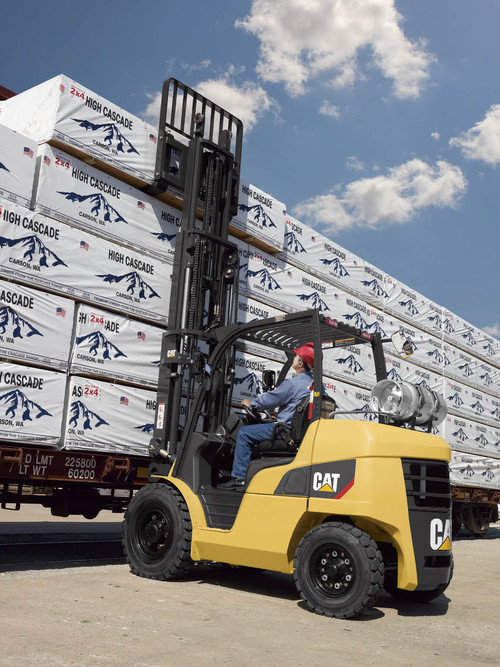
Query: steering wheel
[[256, 415]]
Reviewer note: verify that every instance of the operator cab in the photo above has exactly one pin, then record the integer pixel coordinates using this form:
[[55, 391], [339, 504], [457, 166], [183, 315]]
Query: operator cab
[[204, 454]]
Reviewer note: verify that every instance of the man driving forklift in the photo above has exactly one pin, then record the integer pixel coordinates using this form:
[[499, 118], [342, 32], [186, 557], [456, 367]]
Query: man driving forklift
[[286, 397]]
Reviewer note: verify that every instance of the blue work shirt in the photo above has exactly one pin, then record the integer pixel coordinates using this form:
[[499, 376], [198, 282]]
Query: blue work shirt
[[286, 397]]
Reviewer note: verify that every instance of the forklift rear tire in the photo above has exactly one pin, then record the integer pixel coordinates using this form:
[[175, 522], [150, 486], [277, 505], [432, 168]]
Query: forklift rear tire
[[338, 570], [157, 533]]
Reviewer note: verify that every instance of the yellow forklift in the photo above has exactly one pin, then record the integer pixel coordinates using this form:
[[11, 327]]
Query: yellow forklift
[[347, 506]]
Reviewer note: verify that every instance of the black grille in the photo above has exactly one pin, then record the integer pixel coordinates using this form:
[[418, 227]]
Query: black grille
[[427, 483]]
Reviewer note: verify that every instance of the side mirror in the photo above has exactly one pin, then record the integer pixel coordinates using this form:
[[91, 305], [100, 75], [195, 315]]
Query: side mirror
[[268, 380], [402, 344]]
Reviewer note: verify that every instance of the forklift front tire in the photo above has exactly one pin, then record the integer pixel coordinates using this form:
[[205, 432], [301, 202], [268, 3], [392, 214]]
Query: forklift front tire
[[338, 570], [157, 533]]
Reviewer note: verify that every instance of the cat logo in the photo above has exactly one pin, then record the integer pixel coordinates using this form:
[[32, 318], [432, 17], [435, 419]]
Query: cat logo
[[325, 481], [440, 535]]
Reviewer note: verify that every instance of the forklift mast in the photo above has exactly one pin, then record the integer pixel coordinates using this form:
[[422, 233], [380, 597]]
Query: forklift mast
[[198, 161]]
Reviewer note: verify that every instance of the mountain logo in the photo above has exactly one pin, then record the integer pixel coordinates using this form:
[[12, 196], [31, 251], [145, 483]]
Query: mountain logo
[[162, 236], [351, 364], [336, 265], [145, 428], [489, 349], [253, 384], [2, 166], [409, 307], [34, 250], [375, 327], [367, 416], [438, 357], [469, 338], [17, 405], [375, 288], [257, 214], [266, 280], [136, 286], [467, 471], [488, 473], [436, 321], [99, 346], [495, 413], [448, 326], [99, 205], [16, 326], [357, 320], [292, 243], [487, 379], [481, 440], [460, 435], [112, 135], [394, 375], [82, 417], [423, 383], [466, 370], [455, 399], [315, 301]]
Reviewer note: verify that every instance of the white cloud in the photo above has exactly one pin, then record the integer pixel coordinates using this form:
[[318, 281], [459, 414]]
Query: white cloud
[[331, 110], [151, 113], [494, 330], [301, 39], [393, 198], [482, 142], [435, 135], [355, 163], [247, 102]]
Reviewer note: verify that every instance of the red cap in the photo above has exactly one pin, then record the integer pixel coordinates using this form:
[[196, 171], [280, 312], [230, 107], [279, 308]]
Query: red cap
[[306, 353]]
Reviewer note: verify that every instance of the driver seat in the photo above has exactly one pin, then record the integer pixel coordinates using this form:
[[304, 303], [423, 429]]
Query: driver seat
[[286, 438]]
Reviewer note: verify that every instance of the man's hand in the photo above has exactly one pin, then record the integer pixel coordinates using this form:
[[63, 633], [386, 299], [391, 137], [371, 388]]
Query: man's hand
[[246, 401]]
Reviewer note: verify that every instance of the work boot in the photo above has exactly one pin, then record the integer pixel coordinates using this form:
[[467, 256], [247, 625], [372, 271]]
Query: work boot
[[232, 483]]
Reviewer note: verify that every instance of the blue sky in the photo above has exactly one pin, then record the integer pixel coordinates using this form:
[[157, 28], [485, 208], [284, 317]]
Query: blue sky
[[376, 122]]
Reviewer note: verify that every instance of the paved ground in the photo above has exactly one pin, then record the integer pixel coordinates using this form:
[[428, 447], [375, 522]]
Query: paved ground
[[103, 615]]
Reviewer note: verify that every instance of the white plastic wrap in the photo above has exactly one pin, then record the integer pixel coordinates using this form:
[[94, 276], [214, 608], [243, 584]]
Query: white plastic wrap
[[316, 254], [108, 417], [470, 470], [260, 216], [84, 197], [61, 110], [35, 327], [113, 346], [17, 166], [31, 404], [51, 255]]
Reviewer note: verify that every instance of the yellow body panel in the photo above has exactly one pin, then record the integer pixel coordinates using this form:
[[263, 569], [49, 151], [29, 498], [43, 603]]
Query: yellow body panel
[[269, 526]]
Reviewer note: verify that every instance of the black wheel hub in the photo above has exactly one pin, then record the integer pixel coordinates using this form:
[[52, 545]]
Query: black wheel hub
[[155, 532], [333, 570]]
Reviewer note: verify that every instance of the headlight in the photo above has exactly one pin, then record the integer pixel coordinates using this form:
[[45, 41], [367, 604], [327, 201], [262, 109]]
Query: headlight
[[405, 402]]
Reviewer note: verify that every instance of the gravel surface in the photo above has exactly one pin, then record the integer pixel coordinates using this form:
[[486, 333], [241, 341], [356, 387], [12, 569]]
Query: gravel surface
[[103, 615]]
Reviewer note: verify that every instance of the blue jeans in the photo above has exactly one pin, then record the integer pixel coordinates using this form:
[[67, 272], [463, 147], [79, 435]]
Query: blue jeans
[[247, 436]]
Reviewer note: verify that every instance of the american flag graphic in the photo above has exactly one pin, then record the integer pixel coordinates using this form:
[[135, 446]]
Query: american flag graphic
[[46, 160], [84, 245], [27, 151], [152, 138], [313, 239], [141, 335], [289, 274], [140, 204], [61, 312], [123, 400]]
